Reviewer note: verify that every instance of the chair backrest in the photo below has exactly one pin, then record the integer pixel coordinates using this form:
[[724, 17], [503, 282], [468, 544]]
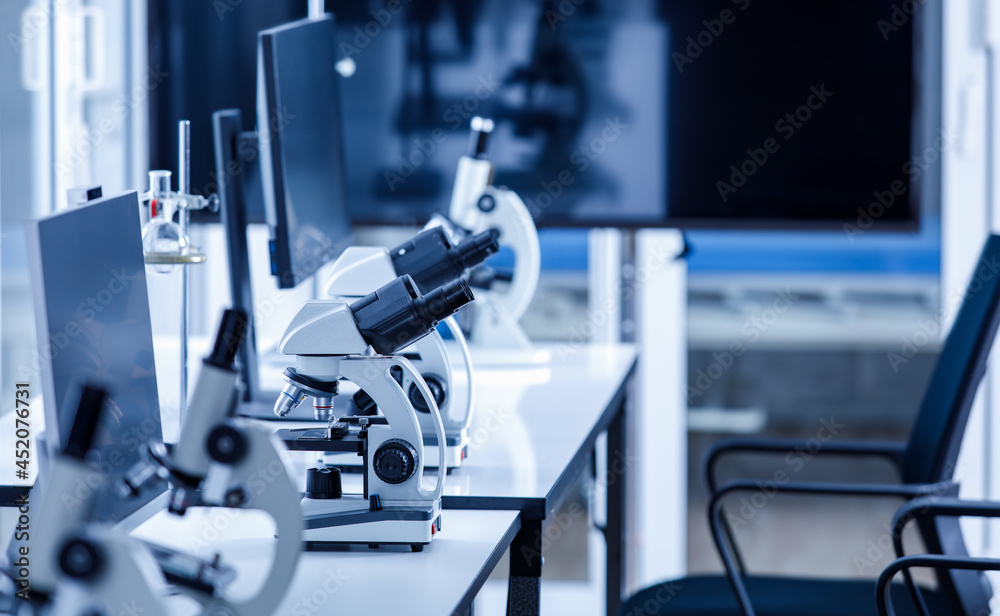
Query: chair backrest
[[932, 450]]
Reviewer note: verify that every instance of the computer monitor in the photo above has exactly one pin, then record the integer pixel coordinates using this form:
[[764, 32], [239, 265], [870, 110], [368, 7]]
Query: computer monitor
[[237, 170], [92, 321], [301, 153], [654, 113]]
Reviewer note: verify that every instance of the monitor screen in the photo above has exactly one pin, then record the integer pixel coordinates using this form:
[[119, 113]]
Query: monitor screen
[[302, 160], [788, 112], [92, 320], [716, 113], [577, 100]]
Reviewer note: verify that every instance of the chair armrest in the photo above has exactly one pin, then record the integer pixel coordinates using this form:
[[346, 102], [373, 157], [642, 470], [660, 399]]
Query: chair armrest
[[722, 538], [907, 491], [891, 450], [883, 600], [938, 506], [902, 490], [930, 507]]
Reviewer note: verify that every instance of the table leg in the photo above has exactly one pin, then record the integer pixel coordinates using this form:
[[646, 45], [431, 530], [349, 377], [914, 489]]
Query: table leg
[[615, 529], [524, 586]]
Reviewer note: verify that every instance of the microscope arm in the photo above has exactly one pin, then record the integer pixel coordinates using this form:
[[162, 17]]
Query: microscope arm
[[459, 338], [477, 205], [372, 374], [79, 565], [517, 232], [503, 210], [226, 462], [261, 482]]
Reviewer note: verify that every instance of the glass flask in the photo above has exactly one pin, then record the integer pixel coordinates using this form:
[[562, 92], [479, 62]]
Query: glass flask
[[161, 236]]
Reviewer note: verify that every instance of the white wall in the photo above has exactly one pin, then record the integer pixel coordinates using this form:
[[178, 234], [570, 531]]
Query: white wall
[[967, 216]]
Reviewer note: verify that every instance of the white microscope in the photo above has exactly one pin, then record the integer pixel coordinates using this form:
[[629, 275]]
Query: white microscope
[[334, 341], [218, 462], [80, 567], [432, 261], [476, 206]]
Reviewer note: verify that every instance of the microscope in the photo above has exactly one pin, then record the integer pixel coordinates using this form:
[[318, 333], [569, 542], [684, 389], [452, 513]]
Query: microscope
[[69, 564], [219, 462], [334, 341], [477, 205], [441, 357]]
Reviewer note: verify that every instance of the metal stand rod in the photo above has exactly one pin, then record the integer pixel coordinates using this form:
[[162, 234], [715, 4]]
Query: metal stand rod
[[184, 187]]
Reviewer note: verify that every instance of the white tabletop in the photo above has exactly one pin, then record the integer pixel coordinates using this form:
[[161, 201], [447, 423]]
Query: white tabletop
[[442, 579]]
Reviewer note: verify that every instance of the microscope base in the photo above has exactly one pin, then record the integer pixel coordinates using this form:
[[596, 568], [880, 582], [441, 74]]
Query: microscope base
[[454, 455], [348, 520]]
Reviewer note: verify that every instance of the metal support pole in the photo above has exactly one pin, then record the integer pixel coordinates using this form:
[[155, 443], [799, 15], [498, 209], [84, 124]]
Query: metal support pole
[[184, 187], [315, 9]]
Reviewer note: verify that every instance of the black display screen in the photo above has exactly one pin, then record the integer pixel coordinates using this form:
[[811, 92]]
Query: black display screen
[[791, 112], [302, 149]]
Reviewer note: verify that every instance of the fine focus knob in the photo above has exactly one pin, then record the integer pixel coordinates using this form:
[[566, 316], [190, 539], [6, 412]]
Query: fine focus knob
[[323, 483], [395, 461], [437, 390]]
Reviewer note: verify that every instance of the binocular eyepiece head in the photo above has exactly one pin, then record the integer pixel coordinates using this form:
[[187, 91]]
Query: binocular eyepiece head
[[397, 315], [432, 262]]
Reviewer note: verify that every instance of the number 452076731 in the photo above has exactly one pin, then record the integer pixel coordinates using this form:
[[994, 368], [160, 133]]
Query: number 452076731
[[22, 430]]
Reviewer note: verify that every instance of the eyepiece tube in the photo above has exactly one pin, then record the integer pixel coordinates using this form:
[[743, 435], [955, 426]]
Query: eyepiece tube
[[480, 136], [230, 336], [476, 249], [444, 301]]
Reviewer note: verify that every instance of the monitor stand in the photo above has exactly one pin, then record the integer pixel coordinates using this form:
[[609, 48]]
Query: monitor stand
[[236, 155]]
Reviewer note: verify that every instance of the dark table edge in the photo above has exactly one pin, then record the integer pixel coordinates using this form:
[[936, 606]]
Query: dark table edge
[[9, 495], [465, 606], [531, 508]]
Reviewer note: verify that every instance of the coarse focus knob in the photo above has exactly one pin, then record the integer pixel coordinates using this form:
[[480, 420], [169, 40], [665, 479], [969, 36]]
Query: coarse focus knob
[[395, 461], [323, 483]]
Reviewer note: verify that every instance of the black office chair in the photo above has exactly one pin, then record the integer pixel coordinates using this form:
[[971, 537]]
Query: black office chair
[[926, 465]]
